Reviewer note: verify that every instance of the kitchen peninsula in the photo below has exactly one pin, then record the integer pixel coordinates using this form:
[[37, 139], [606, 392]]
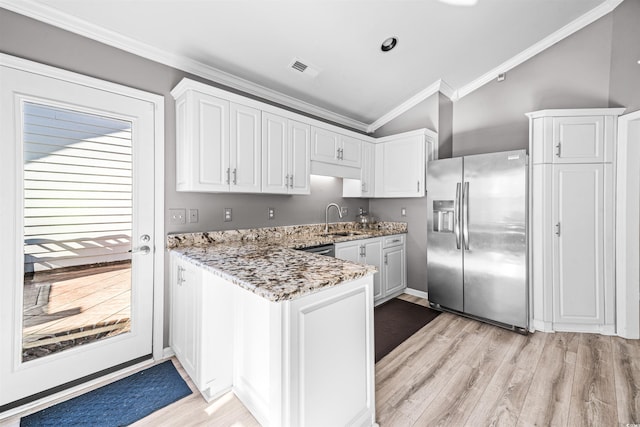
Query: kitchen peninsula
[[290, 332]]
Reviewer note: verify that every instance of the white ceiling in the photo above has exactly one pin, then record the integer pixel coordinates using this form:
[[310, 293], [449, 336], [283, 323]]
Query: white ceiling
[[256, 41]]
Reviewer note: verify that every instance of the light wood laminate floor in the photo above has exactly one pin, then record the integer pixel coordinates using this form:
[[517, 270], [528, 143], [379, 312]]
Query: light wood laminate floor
[[460, 372]]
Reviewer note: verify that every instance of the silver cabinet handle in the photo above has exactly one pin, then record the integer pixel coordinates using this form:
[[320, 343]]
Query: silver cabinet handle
[[558, 149], [291, 178], [338, 154], [235, 176], [465, 214], [144, 250], [456, 215], [418, 186], [286, 181], [362, 187], [386, 259], [558, 229], [395, 240], [228, 175], [180, 280]]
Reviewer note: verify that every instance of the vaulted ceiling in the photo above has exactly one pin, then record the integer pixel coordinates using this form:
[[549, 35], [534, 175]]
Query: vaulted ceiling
[[251, 44]]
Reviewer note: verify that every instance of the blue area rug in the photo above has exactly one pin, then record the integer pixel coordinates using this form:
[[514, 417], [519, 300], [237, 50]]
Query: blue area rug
[[119, 403]]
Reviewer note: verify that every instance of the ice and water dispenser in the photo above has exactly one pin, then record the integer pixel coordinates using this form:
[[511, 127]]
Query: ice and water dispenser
[[443, 216]]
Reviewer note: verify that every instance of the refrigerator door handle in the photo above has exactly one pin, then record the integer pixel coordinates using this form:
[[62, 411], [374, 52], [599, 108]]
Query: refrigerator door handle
[[456, 216], [465, 214]]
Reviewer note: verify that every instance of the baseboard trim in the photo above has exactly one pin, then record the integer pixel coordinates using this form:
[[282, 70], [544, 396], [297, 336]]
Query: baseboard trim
[[417, 293], [167, 353]]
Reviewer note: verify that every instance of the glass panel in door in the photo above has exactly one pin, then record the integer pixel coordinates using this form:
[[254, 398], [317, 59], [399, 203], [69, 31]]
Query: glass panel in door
[[77, 229]]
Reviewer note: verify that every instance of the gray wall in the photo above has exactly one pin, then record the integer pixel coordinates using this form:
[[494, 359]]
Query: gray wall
[[30, 39], [574, 73], [624, 90], [424, 115]]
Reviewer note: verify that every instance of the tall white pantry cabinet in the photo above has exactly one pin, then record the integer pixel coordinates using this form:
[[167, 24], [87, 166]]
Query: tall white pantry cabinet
[[572, 197]]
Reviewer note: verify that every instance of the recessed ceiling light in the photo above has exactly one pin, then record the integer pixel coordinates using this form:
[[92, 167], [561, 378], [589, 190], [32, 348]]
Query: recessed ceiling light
[[388, 44]]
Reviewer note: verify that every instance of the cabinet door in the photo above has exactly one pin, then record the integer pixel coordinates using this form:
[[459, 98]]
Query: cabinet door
[[578, 261], [367, 173], [578, 139], [373, 256], [299, 158], [400, 168], [324, 145], [245, 149], [351, 154], [184, 285], [349, 251], [208, 148], [275, 177], [394, 270]]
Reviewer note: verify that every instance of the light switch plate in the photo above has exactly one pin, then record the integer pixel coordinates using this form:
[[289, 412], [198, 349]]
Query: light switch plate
[[344, 210], [177, 216], [227, 215], [403, 211]]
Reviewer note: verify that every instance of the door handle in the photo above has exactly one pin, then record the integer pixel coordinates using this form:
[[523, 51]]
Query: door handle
[[144, 250], [456, 216], [465, 214]]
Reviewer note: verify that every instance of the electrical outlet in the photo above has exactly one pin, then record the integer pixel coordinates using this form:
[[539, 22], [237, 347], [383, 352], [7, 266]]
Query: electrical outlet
[[177, 216], [272, 213], [193, 215], [403, 211], [227, 215], [344, 210]]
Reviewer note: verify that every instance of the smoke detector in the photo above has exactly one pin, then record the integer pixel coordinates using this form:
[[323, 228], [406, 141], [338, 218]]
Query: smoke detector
[[304, 67]]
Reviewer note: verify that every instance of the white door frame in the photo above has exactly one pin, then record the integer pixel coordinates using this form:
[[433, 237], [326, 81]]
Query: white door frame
[[628, 227], [159, 235]]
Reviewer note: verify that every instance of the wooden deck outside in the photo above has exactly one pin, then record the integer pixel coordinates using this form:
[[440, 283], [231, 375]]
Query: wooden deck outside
[[64, 309]]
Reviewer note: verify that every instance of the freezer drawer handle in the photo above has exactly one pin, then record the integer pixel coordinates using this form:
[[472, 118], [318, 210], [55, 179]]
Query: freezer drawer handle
[[465, 213], [456, 216]]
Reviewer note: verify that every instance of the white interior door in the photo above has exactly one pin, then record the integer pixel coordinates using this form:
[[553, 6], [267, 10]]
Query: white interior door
[[20, 92]]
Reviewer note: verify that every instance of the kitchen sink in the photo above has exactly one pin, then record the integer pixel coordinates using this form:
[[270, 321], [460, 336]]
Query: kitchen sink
[[345, 234]]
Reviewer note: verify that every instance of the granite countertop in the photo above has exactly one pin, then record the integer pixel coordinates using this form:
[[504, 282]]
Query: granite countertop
[[266, 262]]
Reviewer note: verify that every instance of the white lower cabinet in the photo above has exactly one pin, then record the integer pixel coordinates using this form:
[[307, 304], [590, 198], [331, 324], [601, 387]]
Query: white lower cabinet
[[200, 332], [388, 255], [302, 362]]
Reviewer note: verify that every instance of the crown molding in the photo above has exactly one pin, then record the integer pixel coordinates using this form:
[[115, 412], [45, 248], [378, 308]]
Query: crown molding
[[435, 87], [564, 32], [78, 26]]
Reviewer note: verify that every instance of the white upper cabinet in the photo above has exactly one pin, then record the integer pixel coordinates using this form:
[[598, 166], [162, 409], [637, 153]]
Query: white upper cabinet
[[245, 149], [286, 148], [363, 187], [218, 145], [574, 136], [202, 143], [331, 147]]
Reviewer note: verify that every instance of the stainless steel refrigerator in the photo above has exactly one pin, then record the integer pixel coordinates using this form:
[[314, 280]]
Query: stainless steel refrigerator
[[477, 237]]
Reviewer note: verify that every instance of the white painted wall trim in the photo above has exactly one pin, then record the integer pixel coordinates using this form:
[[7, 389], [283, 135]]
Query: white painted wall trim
[[409, 104], [416, 293], [564, 32], [78, 26], [158, 102], [628, 227]]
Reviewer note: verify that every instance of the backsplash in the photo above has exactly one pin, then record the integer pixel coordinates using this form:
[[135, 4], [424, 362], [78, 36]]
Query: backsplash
[[251, 234]]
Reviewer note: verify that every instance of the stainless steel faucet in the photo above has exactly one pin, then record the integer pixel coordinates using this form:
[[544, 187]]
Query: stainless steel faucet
[[326, 216]]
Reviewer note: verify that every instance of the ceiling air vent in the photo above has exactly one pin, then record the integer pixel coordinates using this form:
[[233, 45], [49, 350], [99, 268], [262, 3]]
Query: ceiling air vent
[[297, 65], [304, 67]]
